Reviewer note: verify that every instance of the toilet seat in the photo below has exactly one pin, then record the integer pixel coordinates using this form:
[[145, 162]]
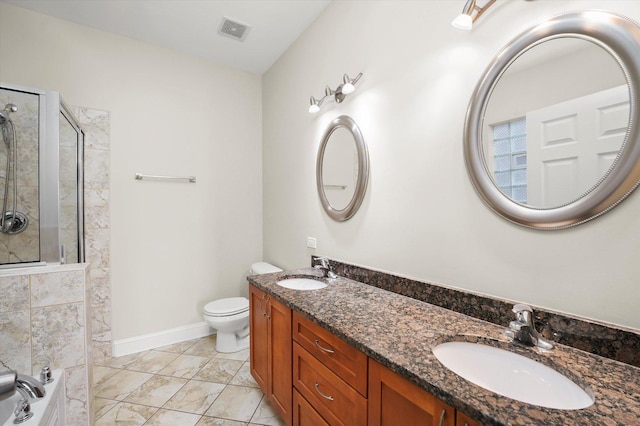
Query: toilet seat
[[227, 307]]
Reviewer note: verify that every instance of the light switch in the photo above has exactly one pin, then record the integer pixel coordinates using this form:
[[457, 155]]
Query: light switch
[[311, 242]]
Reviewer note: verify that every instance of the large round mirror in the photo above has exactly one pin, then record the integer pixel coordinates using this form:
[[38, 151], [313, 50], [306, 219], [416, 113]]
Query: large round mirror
[[550, 139], [342, 169]]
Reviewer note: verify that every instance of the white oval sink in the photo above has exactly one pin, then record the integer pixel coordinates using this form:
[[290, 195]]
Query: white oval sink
[[301, 284], [512, 375]]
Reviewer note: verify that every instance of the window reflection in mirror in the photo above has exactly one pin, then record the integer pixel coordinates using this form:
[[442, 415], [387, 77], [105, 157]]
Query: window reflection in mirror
[[555, 122]]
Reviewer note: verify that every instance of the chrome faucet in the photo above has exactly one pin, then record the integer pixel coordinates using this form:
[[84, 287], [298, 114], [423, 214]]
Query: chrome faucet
[[32, 387], [8, 381], [523, 329], [324, 265]]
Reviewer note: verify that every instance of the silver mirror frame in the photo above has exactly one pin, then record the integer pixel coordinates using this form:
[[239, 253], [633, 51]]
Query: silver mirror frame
[[363, 169], [619, 36]]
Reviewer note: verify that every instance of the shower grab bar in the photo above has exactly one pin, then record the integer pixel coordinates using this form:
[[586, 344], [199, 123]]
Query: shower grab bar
[[140, 176], [335, 186]]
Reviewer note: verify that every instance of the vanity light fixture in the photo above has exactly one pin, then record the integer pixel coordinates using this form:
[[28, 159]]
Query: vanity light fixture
[[470, 14], [348, 86]]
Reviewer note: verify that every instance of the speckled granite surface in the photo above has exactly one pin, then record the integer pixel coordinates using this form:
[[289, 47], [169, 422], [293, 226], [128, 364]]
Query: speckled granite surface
[[615, 343], [399, 332]]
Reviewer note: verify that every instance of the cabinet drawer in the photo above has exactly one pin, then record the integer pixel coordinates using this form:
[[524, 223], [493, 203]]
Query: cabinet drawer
[[304, 414], [464, 420], [343, 359], [336, 401]]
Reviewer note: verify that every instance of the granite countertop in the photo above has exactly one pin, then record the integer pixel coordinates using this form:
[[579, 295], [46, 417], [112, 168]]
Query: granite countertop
[[399, 332]]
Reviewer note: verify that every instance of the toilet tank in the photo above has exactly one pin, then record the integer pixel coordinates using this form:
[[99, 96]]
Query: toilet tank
[[263, 268]]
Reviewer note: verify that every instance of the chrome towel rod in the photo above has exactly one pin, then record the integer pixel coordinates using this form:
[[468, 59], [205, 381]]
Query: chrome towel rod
[[140, 176], [335, 186]]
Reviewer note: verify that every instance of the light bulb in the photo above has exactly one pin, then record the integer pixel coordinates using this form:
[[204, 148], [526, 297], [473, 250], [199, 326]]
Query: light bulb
[[463, 22], [348, 88], [313, 109]]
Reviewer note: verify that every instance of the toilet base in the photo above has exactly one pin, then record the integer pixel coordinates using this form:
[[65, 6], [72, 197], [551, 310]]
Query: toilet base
[[231, 342]]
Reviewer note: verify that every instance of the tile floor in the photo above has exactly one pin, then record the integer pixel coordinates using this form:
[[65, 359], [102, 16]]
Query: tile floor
[[185, 384]]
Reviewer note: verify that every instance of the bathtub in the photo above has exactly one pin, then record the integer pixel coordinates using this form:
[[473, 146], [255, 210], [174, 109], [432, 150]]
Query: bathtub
[[49, 411]]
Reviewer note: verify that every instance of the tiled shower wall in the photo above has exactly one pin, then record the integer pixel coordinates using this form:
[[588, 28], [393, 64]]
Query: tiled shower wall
[[44, 321], [96, 125], [61, 315]]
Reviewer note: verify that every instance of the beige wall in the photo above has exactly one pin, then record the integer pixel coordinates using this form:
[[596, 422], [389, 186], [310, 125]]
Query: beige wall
[[421, 216], [174, 246]]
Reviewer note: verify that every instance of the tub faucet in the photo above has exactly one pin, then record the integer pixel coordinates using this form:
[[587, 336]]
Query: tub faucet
[[324, 265], [33, 388], [8, 382], [523, 330]]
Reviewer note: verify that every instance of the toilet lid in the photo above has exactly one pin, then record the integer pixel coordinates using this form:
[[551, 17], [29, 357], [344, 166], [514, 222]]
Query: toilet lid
[[224, 307]]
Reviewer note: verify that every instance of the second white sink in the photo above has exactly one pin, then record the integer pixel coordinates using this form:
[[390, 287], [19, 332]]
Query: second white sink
[[301, 284], [512, 375]]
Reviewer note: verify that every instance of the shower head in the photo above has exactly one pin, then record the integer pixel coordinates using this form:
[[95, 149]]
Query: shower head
[[4, 113]]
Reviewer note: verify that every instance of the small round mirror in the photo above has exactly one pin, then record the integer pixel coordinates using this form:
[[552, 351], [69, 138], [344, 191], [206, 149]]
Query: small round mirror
[[342, 169]]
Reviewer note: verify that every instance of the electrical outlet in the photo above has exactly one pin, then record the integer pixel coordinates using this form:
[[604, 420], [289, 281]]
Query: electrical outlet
[[311, 242]]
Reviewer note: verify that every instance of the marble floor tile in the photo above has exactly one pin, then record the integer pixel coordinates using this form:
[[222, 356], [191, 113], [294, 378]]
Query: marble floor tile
[[195, 397], [204, 347], [219, 370], [236, 403], [120, 385], [124, 414], [238, 356], [185, 366], [178, 348], [164, 417], [100, 373], [152, 362], [243, 377], [212, 389], [102, 405], [122, 361], [156, 391], [266, 415], [214, 421]]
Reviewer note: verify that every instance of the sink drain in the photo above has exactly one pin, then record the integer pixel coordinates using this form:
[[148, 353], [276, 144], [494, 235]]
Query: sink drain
[[13, 223]]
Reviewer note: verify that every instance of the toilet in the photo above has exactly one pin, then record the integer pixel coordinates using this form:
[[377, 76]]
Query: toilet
[[230, 316]]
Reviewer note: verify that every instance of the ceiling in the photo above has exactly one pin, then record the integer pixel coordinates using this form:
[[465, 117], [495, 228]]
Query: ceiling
[[191, 26]]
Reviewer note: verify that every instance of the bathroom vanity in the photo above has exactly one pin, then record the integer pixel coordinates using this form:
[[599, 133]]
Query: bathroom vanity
[[332, 383], [355, 354]]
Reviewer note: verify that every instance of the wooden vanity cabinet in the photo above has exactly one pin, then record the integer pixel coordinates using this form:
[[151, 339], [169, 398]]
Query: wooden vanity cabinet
[[329, 376], [393, 400], [271, 350], [313, 378], [464, 420]]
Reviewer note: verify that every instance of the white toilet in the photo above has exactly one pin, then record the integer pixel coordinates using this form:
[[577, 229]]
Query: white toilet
[[230, 317]]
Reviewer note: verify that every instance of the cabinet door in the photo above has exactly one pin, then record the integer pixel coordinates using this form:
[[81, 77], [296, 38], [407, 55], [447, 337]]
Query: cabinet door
[[304, 414], [464, 420], [393, 401], [258, 330], [280, 365]]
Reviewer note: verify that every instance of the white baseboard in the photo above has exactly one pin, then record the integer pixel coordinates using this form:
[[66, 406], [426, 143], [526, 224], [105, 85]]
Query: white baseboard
[[158, 339]]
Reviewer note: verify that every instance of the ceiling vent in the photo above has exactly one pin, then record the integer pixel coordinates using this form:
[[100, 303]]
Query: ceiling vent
[[233, 29]]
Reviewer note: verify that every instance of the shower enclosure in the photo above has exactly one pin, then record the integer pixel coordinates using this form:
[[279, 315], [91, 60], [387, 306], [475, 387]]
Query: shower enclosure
[[41, 179]]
